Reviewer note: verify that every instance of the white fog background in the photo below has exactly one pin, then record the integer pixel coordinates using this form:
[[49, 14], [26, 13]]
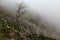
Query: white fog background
[[48, 10]]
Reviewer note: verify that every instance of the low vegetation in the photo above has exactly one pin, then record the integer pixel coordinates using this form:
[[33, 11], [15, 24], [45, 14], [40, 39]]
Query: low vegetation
[[19, 27]]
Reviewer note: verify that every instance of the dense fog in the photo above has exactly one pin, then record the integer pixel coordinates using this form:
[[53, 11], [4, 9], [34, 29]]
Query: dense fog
[[48, 10]]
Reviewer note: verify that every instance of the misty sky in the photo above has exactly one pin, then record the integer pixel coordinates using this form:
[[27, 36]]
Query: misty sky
[[49, 10]]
